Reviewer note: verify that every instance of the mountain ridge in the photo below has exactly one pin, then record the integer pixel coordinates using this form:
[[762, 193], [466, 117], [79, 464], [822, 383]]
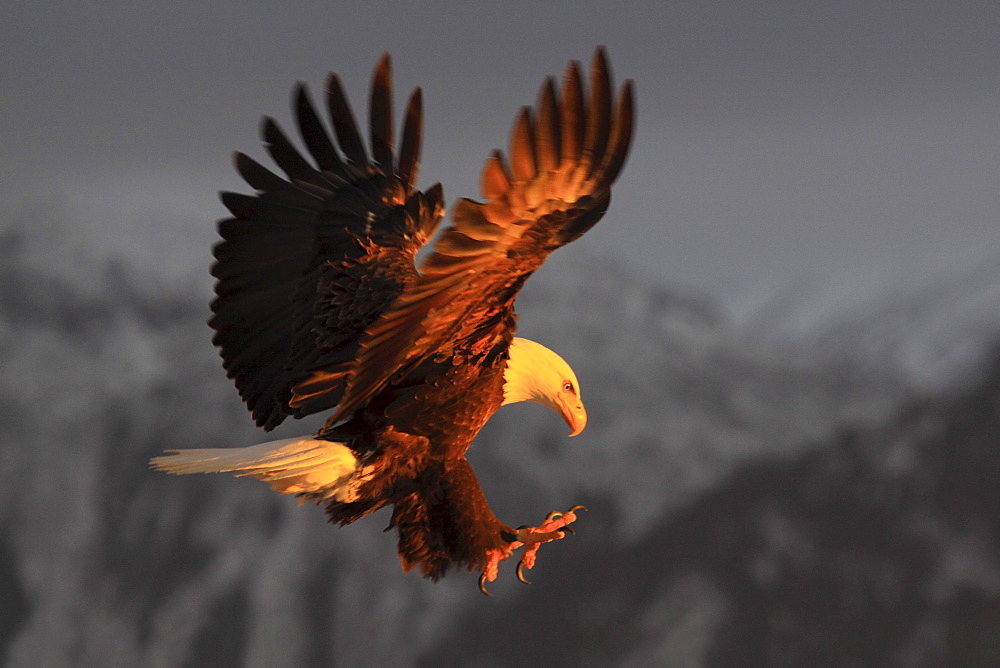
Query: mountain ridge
[[107, 366]]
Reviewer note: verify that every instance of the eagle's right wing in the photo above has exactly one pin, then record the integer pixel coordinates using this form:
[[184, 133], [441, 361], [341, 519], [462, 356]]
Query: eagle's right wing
[[311, 260], [564, 158]]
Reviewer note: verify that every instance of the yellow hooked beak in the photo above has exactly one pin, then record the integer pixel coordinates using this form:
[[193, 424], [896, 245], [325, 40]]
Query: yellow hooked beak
[[575, 414]]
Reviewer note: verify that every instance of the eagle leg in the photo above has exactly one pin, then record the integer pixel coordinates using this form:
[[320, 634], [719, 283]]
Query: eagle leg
[[554, 527]]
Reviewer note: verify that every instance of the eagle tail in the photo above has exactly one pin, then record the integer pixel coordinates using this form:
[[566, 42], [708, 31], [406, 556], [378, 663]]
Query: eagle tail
[[313, 468]]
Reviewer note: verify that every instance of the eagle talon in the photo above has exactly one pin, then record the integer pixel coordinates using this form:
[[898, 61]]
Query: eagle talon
[[555, 527], [482, 584]]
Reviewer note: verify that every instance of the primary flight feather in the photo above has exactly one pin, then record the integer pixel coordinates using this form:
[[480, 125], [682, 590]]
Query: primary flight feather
[[320, 306]]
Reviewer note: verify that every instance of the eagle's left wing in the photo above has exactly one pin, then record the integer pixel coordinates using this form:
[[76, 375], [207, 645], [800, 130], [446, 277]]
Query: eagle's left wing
[[311, 259]]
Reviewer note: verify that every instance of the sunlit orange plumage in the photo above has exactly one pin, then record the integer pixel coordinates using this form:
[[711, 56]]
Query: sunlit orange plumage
[[320, 306]]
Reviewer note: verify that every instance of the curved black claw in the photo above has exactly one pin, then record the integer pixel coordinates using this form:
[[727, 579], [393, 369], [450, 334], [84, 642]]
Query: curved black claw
[[567, 529], [520, 573], [482, 583], [576, 508]]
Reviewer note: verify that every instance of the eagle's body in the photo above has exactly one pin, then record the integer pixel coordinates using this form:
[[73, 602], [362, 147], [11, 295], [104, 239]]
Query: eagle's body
[[320, 306]]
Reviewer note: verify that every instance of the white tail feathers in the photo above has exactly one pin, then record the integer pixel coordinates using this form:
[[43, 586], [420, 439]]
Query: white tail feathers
[[318, 468]]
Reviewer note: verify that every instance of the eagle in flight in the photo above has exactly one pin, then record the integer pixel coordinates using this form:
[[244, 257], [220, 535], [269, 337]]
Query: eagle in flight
[[320, 305]]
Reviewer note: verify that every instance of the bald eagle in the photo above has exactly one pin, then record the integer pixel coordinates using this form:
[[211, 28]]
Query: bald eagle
[[320, 306]]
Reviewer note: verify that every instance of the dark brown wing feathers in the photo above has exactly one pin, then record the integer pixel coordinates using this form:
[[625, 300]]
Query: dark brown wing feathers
[[318, 302], [343, 121], [409, 150], [314, 135], [297, 255], [380, 115]]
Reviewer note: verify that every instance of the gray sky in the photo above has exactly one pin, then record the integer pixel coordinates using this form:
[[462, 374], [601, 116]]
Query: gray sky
[[835, 148]]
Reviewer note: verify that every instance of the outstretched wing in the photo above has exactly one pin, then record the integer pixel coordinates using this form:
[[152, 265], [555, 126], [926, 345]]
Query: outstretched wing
[[564, 156], [309, 262]]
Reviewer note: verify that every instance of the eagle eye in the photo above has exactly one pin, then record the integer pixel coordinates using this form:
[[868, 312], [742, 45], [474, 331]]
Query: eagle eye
[[567, 386]]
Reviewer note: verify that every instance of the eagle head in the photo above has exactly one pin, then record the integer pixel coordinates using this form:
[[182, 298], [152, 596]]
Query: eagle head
[[535, 373]]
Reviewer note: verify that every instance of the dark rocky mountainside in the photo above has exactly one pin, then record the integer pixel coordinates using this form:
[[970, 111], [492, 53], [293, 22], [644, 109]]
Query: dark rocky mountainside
[[752, 502]]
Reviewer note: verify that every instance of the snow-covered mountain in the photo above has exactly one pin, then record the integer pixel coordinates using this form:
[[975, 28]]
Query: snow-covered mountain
[[933, 333], [752, 501]]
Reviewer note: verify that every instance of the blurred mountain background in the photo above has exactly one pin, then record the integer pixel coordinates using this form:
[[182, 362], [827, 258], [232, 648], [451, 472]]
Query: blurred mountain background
[[787, 330], [756, 498]]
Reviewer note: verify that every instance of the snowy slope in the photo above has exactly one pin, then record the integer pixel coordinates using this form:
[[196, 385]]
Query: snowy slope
[[934, 334], [107, 362]]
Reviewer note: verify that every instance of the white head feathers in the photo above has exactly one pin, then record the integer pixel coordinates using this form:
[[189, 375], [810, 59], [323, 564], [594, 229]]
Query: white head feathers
[[535, 373]]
